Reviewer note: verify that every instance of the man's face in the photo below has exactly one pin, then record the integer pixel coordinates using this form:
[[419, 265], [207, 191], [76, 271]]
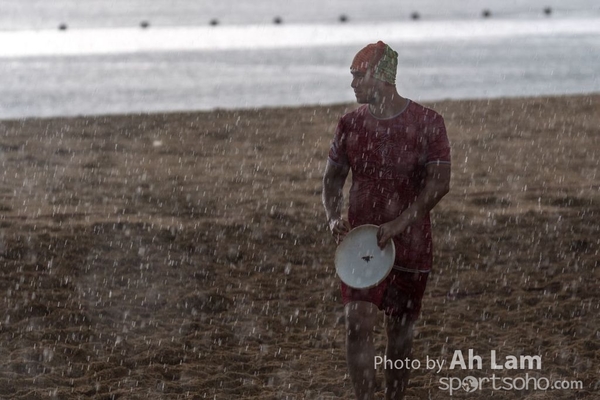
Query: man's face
[[365, 86]]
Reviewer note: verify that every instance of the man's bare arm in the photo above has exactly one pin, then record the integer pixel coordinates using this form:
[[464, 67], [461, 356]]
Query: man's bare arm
[[333, 185]]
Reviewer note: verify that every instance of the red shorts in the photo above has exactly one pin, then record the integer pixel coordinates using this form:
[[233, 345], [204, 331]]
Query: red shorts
[[399, 295]]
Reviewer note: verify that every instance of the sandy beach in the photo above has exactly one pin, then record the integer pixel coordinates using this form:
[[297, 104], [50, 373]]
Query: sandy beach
[[185, 255]]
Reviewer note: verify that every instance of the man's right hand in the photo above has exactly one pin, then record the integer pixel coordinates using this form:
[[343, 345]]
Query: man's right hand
[[339, 228]]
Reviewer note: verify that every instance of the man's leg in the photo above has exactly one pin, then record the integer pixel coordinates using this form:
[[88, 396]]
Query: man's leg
[[361, 317], [399, 345]]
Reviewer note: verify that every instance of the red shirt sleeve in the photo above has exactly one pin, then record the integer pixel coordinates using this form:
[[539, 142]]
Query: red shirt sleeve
[[337, 151], [438, 146]]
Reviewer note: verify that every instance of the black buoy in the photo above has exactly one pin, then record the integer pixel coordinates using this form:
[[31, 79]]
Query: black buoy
[[277, 20], [415, 15], [343, 18], [547, 11], [214, 22], [486, 13], [144, 24], [62, 27]]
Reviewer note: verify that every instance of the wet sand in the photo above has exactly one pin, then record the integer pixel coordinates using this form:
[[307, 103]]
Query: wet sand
[[185, 255]]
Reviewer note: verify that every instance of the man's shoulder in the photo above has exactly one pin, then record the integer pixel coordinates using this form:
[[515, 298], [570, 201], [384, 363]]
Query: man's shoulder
[[425, 113], [358, 112]]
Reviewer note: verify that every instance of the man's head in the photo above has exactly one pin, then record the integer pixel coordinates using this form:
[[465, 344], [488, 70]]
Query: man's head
[[374, 71]]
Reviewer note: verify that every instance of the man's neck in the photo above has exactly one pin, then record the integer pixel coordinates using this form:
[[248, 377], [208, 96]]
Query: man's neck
[[388, 107]]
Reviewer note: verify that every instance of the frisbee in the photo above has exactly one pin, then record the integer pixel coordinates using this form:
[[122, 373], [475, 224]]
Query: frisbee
[[359, 262]]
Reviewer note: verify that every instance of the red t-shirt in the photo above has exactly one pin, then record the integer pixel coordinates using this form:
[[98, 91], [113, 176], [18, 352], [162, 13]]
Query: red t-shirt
[[388, 159]]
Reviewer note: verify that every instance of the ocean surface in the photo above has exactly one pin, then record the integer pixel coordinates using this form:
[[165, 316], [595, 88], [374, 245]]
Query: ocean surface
[[202, 55]]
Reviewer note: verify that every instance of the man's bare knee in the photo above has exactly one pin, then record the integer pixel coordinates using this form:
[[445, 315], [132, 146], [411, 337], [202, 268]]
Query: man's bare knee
[[360, 318]]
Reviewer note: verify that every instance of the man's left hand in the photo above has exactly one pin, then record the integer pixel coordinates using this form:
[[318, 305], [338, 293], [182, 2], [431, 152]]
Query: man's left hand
[[388, 231]]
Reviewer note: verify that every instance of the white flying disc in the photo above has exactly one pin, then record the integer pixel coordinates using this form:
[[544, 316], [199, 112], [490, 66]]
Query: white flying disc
[[359, 262]]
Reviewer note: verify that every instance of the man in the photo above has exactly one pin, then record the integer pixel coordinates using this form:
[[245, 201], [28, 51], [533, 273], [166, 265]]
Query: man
[[399, 155]]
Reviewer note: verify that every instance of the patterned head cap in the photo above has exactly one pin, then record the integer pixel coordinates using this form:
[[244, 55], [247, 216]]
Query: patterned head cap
[[380, 59]]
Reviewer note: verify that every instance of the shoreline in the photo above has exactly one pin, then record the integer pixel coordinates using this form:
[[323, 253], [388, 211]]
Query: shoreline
[[291, 108]]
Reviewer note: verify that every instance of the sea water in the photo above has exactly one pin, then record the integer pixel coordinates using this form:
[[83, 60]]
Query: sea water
[[105, 63]]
